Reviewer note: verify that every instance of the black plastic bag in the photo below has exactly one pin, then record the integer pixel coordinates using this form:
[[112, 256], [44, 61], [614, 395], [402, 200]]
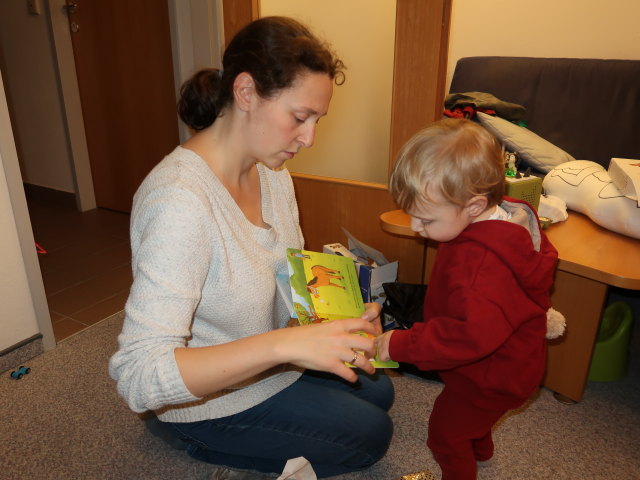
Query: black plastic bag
[[403, 307], [404, 304]]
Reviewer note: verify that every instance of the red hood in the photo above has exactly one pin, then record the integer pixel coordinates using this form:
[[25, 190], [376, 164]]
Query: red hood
[[535, 274]]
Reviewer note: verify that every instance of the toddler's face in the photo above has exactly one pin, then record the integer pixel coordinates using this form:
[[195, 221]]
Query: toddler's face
[[438, 219]]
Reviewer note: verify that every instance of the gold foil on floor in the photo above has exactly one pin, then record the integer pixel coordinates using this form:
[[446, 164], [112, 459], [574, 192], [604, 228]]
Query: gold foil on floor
[[418, 476]]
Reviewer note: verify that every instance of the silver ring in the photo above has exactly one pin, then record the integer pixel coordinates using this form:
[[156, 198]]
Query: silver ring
[[354, 359]]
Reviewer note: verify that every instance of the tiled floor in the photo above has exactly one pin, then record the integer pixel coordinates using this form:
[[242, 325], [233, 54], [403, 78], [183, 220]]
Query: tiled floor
[[87, 267]]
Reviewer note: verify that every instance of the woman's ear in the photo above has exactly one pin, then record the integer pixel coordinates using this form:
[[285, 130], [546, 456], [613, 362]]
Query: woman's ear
[[243, 90], [477, 205]]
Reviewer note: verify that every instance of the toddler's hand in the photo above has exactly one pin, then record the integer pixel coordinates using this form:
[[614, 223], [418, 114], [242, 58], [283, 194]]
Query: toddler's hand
[[382, 342]]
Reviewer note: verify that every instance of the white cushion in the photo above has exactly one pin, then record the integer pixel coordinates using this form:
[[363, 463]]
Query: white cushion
[[586, 187]]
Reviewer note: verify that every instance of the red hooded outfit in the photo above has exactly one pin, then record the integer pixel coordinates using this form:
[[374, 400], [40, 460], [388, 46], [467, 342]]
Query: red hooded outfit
[[483, 331]]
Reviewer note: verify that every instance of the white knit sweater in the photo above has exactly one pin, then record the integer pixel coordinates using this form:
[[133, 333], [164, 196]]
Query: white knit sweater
[[203, 275]]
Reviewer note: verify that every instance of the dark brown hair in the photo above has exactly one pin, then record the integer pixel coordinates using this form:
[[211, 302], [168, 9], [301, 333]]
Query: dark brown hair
[[273, 50]]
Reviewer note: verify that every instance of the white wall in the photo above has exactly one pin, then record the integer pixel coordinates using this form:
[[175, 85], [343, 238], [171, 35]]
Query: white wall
[[544, 28], [30, 75], [19, 306], [352, 141]]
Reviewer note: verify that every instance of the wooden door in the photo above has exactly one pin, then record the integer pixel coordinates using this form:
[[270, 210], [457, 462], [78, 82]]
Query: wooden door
[[124, 66]]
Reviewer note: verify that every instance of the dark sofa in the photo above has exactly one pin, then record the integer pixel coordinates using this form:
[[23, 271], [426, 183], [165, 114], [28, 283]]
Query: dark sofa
[[588, 107]]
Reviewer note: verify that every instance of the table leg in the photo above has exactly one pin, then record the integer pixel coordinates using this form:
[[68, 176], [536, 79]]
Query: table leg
[[581, 301]]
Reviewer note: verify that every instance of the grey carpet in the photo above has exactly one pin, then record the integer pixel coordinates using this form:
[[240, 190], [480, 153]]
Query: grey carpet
[[65, 421]]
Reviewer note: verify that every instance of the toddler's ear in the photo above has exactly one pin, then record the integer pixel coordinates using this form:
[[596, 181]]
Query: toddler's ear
[[477, 205]]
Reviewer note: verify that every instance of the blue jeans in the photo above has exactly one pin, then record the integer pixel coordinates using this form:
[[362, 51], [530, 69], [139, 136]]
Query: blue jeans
[[337, 426]]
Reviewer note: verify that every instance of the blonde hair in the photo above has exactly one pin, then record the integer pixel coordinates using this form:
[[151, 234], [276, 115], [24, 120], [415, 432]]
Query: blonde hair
[[457, 158]]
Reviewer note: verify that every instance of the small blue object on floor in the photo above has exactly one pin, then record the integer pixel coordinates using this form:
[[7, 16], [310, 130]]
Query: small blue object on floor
[[20, 372], [609, 362]]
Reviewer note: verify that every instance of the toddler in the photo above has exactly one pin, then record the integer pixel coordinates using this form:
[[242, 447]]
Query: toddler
[[485, 311]]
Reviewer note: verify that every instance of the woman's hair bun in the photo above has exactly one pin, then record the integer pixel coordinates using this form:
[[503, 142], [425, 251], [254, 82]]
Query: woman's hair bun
[[197, 104]]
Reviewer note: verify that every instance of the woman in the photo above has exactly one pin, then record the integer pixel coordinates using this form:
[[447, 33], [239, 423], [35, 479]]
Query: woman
[[203, 343]]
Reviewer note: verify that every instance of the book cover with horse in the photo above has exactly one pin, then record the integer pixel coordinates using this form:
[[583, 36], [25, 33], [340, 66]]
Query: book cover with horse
[[324, 287]]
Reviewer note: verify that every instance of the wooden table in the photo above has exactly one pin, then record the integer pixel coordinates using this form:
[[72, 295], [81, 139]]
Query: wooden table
[[590, 259]]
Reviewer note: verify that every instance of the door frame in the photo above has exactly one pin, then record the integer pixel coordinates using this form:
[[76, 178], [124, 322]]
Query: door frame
[[9, 162], [68, 81]]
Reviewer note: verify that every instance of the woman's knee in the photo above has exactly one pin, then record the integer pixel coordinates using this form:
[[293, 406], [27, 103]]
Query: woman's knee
[[373, 442], [378, 389], [377, 433], [383, 434]]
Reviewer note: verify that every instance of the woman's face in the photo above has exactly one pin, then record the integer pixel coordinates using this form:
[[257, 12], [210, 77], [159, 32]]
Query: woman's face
[[282, 125]]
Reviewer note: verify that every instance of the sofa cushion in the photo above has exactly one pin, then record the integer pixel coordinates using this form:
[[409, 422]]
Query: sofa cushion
[[537, 153]]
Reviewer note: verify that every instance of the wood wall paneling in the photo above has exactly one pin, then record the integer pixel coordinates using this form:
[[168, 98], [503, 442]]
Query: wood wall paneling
[[420, 67], [236, 14]]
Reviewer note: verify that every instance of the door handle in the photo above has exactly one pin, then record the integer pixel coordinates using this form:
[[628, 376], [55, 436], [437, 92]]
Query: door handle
[[71, 8]]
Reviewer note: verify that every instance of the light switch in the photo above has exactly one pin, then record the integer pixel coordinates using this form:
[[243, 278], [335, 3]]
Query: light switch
[[34, 7]]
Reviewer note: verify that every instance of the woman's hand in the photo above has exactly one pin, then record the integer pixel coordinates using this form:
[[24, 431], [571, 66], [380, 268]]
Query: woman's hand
[[327, 346]]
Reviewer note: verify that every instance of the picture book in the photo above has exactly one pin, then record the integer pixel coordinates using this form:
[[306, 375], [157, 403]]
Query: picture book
[[323, 287]]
